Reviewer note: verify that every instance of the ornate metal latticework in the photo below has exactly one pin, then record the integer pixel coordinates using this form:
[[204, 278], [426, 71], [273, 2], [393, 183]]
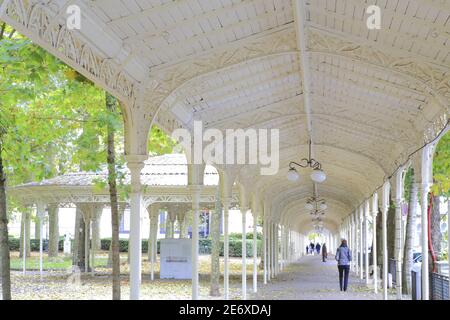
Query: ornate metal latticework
[[306, 162]]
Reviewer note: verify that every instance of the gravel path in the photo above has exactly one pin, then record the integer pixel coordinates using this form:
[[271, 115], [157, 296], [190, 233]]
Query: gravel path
[[312, 279]]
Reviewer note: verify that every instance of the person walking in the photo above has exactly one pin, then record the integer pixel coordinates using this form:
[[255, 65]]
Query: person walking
[[324, 252], [343, 258], [318, 248], [311, 247]]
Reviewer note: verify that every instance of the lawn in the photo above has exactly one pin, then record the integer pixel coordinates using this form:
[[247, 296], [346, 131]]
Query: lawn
[[57, 283]]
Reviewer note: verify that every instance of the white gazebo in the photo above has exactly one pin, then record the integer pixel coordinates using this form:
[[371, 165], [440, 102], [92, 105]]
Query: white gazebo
[[371, 100]]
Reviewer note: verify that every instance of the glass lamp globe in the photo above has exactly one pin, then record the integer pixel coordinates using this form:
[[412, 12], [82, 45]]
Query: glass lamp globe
[[293, 175], [323, 206], [318, 176], [309, 206]]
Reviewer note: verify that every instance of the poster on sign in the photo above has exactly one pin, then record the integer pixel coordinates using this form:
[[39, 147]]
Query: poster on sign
[[176, 262]]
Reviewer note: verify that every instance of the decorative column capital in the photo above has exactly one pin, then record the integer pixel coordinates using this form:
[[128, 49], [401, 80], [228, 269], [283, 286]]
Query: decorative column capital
[[425, 186], [244, 209], [135, 164], [195, 189], [367, 208], [226, 201], [135, 159]]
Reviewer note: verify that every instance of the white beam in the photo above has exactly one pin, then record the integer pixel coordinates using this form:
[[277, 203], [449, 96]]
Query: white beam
[[300, 23]]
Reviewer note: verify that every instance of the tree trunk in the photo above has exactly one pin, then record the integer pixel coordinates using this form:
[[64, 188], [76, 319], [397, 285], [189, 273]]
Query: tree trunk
[[76, 237], [379, 238], [37, 228], [409, 238], [96, 240], [4, 245], [111, 107], [435, 230], [53, 233], [215, 249], [391, 231], [25, 230], [79, 243]]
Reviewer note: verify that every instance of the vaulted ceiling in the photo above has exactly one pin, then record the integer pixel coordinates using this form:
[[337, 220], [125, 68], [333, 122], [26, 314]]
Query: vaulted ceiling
[[374, 95]]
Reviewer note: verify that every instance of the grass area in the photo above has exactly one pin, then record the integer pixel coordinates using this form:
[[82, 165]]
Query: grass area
[[101, 259], [58, 263]]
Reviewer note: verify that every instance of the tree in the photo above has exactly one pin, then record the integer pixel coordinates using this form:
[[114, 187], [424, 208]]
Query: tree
[[441, 187], [4, 246], [52, 121], [111, 108], [215, 250]]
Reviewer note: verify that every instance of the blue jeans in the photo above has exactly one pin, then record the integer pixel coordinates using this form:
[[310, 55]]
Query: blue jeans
[[343, 276]]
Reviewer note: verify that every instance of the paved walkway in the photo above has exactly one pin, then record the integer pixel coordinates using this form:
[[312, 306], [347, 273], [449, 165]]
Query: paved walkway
[[312, 279]]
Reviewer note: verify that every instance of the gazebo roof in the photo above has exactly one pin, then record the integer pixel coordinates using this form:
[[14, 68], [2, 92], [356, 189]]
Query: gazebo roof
[[166, 170], [164, 179]]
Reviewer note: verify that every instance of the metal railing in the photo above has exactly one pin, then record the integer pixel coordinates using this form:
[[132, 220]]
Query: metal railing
[[392, 269], [438, 286]]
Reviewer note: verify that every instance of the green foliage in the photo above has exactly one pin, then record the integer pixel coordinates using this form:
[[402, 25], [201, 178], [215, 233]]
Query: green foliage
[[441, 167], [160, 143], [407, 184], [312, 236], [53, 120], [205, 246], [238, 236]]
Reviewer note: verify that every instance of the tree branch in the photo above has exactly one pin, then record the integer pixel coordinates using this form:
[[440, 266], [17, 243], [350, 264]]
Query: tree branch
[[2, 30], [12, 33]]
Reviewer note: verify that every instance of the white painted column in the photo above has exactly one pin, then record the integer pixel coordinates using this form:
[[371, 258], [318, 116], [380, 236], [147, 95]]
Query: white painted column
[[366, 239], [195, 190], [154, 216], [244, 254], [273, 252], [40, 215], [361, 243], [255, 252], [265, 237], [448, 239], [424, 190], [276, 250], [282, 246], [398, 231], [24, 256], [426, 179], [87, 234], [353, 244], [352, 241], [374, 245], [270, 251], [356, 248], [92, 262], [135, 165], [385, 208], [226, 248]]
